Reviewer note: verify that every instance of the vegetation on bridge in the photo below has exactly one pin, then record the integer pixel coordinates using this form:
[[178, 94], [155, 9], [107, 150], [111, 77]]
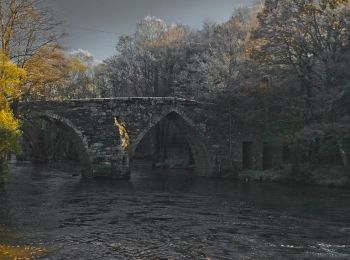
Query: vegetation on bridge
[[124, 136]]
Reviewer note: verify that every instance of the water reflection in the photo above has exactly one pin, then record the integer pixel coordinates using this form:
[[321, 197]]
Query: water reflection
[[166, 214]]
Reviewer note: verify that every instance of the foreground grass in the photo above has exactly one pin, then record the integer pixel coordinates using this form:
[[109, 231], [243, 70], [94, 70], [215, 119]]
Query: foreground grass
[[20, 252], [9, 251]]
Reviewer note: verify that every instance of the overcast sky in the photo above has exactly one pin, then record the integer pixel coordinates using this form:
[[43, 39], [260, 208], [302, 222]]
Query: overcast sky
[[121, 16]]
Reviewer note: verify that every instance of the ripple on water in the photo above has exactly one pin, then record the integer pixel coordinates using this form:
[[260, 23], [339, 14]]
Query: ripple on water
[[165, 215]]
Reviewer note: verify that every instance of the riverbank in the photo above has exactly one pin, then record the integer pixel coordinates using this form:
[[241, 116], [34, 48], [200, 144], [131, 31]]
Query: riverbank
[[11, 248], [331, 176]]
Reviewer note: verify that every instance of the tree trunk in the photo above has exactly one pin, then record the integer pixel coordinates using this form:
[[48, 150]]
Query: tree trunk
[[2, 168], [14, 106]]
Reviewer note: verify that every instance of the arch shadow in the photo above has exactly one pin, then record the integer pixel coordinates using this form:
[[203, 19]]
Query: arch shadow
[[195, 140], [74, 135]]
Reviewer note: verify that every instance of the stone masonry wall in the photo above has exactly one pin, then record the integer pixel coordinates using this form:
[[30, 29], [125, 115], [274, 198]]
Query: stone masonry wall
[[91, 123]]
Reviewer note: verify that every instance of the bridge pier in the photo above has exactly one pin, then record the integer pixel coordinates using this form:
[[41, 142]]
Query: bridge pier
[[111, 169], [111, 165], [107, 157]]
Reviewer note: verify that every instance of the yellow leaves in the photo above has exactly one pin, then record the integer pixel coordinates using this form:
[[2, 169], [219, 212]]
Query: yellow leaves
[[9, 132], [20, 252], [76, 65], [7, 119], [11, 78], [125, 140]]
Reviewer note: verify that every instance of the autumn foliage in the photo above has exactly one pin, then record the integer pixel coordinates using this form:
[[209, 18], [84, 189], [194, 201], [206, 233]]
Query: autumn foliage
[[20, 252], [125, 139], [11, 78]]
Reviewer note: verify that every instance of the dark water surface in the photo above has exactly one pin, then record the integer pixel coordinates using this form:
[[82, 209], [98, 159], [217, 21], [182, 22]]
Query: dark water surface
[[170, 214]]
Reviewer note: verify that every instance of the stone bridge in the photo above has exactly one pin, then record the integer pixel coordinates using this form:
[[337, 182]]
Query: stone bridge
[[91, 127]]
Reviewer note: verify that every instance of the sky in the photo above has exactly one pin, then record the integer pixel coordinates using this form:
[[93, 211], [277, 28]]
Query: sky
[[83, 20]]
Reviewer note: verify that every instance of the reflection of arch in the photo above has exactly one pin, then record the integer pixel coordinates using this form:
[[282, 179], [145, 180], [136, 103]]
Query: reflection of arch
[[74, 134], [187, 128]]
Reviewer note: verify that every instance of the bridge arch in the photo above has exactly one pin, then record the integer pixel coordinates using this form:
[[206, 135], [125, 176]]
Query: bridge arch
[[191, 134], [74, 134]]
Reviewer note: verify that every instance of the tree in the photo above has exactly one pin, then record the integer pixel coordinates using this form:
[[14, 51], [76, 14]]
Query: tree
[[76, 76], [46, 70], [149, 60], [29, 36], [308, 38], [101, 80], [225, 57], [79, 78], [11, 78], [303, 48]]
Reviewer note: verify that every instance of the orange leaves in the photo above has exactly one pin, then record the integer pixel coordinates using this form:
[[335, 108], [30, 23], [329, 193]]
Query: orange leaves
[[154, 32], [173, 35], [20, 252], [45, 65], [254, 49], [49, 65], [332, 4]]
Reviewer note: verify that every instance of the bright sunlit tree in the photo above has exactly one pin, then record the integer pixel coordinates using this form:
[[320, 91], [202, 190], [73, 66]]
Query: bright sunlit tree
[[11, 78]]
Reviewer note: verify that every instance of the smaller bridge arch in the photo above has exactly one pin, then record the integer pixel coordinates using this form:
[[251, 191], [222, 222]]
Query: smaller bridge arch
[[190, 133], [74, 134]]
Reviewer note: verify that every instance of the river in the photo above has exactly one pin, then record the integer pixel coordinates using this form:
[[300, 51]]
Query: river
[[170, 214]]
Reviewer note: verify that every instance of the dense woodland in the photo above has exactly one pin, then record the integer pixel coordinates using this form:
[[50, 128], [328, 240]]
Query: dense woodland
[[282, 66]]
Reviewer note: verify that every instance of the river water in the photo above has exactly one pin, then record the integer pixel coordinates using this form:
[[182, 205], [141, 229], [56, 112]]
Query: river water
[[161, 214]]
